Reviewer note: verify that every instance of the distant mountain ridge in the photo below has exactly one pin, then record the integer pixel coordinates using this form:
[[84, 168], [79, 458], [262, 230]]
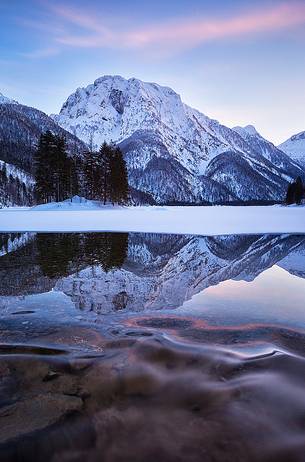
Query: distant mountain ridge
[[174, 152]]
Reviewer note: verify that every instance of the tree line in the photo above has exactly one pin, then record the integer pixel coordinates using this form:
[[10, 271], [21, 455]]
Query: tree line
[[97, 175], [295, 192]]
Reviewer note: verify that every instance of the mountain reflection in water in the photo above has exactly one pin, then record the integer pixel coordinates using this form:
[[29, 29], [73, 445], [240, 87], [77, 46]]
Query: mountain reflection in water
[[145, 347]]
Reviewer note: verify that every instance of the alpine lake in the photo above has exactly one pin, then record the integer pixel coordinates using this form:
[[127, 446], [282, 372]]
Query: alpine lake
[[122, 347]]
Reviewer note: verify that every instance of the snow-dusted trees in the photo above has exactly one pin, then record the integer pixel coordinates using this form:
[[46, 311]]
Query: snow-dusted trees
[[55, 172], [105, 175], [100, 175]]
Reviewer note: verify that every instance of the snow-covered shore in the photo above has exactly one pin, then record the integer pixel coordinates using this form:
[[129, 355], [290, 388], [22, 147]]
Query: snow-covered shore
[[216, 220]]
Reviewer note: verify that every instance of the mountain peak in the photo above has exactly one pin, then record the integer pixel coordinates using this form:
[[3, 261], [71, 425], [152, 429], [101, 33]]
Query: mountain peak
[[114, 108], [294, 147], [251, 130], [119, 80], [247, 130], [6, 100]]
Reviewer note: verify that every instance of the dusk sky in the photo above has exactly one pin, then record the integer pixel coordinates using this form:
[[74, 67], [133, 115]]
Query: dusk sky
[[241, 62]]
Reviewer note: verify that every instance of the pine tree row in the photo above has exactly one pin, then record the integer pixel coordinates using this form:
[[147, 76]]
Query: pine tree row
[[100, 175], [105, 175]]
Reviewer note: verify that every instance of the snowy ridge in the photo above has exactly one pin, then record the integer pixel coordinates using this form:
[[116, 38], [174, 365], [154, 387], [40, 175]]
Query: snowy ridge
[[6, 100], [174, 152], [294, 147], [264, 147]]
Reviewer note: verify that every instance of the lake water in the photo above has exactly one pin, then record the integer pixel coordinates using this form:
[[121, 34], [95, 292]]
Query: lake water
[[150, 347]]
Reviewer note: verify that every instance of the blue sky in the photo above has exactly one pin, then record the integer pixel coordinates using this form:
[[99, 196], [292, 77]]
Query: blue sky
[[241, 62]]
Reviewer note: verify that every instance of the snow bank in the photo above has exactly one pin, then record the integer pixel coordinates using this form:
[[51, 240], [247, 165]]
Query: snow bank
[[76, 203], [217, 220]]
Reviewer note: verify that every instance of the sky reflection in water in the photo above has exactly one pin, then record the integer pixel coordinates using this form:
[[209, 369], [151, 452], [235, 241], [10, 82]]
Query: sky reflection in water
[[275, 296]]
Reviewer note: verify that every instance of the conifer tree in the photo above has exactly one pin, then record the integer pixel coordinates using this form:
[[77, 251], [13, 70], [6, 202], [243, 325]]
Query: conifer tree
[[55, 172], [104, 166], [290, 196], [43, 171], [58, 162], [105, 175], [299, 191], [118, 178], [295, 192], [88, 174]]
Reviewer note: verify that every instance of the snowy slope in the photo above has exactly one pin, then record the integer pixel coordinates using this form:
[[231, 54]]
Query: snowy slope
[[20, 129], [264, 147], [170, 146], [294, 147], [16, 185], [15, 172]]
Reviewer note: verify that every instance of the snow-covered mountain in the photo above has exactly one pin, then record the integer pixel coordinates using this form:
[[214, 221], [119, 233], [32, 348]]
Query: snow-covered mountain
[[174, 152], [294, 147]]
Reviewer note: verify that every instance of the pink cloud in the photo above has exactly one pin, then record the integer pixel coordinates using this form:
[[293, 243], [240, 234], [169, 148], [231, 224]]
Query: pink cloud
[[93, 31], [194, 32]]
